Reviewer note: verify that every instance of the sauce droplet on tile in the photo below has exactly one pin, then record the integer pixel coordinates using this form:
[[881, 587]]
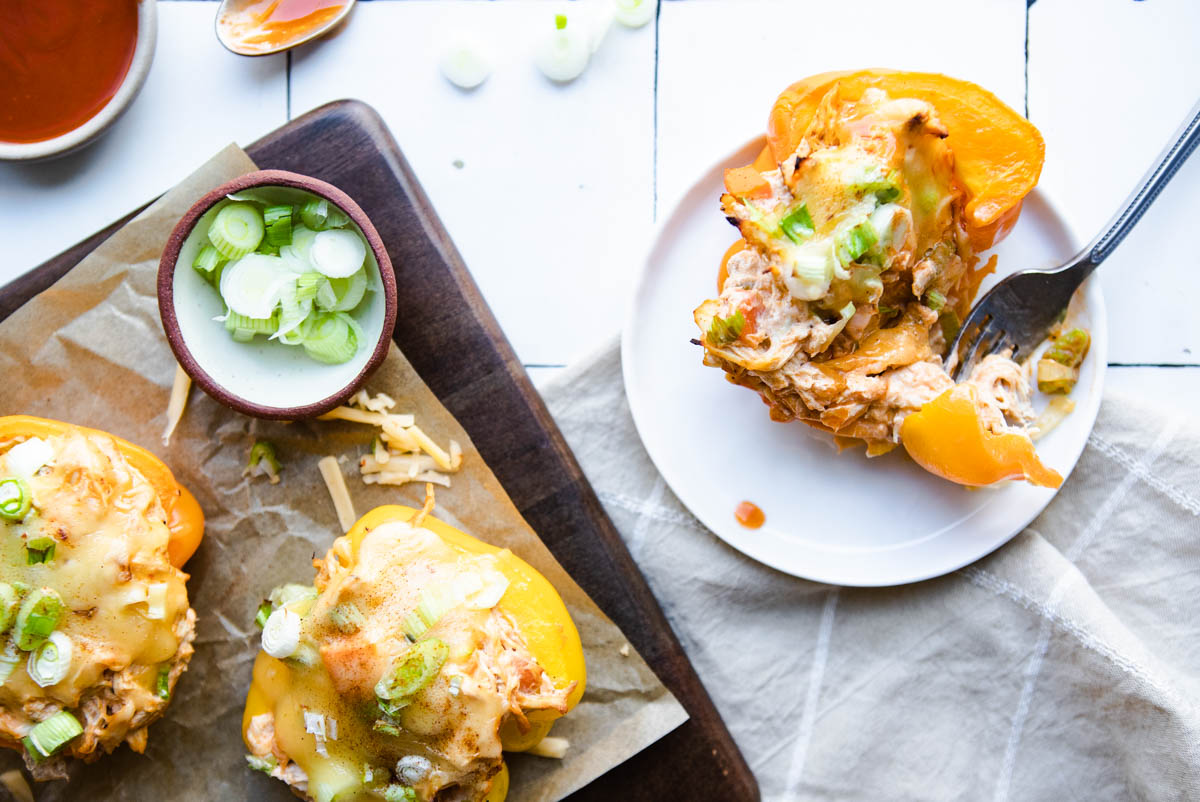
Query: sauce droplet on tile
[[749, 515]]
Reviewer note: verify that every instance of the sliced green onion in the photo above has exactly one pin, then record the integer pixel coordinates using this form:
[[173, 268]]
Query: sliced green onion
[[39, 550], [950, 325], [207, 262], [338, 253], [347, 292], [798, 225], [37, 618], [263, 462], [724, 331], [1070, 349], [252, 285], [263, 613], [465, 63], [9, 659], [857, 241], [50, 662], [281, 634], [320, 215], [290, 593], [235, 323], [399, 793], [418, 667], [935, 300], [308, 284], [386, 727], [347, 617], [236, 230], [563, 54], [48, 736], [331, 338], [15, 499], [265, 764], [162, 684], [278, 222], [10, 599], [635, 13]]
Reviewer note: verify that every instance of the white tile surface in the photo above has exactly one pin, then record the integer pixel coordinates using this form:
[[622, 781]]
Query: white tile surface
[[554, 197], [196, 99], [1109, 81], [723, 62], [1177, 389]]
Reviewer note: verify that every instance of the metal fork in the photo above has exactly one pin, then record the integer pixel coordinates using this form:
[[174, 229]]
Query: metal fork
[[1018, 312]]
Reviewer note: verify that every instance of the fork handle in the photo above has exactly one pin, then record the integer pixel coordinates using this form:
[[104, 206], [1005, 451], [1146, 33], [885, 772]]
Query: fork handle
[[1169, 161]]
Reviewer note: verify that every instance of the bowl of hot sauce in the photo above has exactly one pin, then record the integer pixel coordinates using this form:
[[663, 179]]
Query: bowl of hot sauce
[[68, 68]]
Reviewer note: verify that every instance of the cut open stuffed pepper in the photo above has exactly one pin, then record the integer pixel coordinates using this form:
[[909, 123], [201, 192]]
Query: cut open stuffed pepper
[[861, 225], [94, 614], [416, 659]]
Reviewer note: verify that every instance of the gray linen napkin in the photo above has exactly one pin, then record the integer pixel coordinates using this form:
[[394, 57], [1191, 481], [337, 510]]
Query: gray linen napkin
[[1063, 666]]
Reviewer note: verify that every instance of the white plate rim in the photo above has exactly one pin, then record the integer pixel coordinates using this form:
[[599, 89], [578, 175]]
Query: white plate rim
[[1087, 408]]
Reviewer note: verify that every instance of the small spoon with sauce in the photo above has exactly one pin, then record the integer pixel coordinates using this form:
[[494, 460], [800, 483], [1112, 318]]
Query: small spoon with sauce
[[261, 27]]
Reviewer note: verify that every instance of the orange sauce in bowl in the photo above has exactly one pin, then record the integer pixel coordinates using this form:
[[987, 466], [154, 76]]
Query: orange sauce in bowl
[[61, 61], [261, 26], [749, 515]]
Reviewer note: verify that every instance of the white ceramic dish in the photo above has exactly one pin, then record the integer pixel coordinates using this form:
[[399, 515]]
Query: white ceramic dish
[[139, 67], [830, 517]]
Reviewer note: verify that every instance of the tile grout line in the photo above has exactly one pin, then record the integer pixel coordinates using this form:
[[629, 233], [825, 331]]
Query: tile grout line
[[654, 161], [1167, 365], [288, 81], [1028, 4]]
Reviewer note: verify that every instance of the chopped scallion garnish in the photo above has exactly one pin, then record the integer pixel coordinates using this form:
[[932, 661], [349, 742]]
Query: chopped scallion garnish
[[264, 612], [48, 736], [265, 764], [263, 461], [346, 617], [37, 618], [278, 220], [15, 499], [10, 599], [724, 331], [39, 550], [418, 667], [857, 241], [399, 793], [162, 683], [798, 225], [49, 664], [236, 230], [935, 300]]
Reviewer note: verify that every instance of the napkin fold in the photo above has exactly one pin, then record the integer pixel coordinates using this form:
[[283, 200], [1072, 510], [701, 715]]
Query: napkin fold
[[1065, 665]]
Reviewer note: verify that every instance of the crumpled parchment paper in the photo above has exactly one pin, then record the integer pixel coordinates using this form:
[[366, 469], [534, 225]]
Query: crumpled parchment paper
[[91, 350]]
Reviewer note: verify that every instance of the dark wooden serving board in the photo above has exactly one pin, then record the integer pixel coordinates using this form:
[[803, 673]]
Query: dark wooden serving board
[[450, 336]]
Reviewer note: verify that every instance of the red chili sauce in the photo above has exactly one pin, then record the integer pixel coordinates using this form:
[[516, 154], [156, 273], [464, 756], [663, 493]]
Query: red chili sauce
[[260, 26], [61, 61], [749, 515]]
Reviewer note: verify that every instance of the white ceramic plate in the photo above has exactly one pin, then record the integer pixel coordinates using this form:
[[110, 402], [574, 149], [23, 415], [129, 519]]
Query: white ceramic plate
[[830, 517]]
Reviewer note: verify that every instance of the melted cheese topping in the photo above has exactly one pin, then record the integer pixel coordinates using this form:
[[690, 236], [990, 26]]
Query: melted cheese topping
[[125, 606], [447, 744]]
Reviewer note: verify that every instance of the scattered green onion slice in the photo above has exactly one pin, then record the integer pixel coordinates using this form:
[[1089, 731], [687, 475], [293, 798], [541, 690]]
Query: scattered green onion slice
[[263, 461], [264, 764], [465, 63], [635, 13], [15, 499], [346, 293], [418, 667], [338, 253], [49, 736], [236, 230], [39, 550], [320, 215], [8, 660], [347, 617], [162, 683], [857, 241], [281, 634], [950, 324], [10, 599], [563, 54], [50, 662], [399, 793], [724, 331], [263, 613], [207, 261], [935, 300], [798, 225], [290, 593], [278, 222], [386, 727], [37, 618]]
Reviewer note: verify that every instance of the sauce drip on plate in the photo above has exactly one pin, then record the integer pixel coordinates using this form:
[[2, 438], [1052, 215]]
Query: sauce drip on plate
[[61, 61], [749, 515], [261, 26]]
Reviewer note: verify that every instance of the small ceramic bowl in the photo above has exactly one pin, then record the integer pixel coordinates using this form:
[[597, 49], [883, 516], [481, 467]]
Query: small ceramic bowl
[[143, 54], [261, 378]]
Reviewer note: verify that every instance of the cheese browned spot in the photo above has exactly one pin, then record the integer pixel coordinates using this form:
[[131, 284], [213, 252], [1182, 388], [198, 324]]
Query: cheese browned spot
[[125, 607]]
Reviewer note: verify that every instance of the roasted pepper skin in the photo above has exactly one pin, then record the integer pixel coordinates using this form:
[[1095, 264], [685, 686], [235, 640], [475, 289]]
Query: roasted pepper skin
[[530, 601], [948, 438], [185, 519]]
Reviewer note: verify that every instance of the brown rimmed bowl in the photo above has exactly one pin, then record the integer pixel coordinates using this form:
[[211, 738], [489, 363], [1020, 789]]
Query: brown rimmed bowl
[[267, 379]]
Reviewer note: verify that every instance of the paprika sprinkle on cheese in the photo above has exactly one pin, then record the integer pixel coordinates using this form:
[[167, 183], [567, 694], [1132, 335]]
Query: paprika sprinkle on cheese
[[61, 61]]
